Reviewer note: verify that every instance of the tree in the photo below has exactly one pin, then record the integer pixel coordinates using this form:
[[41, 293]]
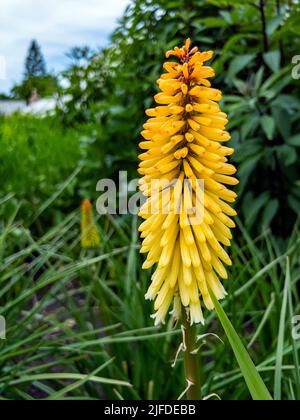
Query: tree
[[36, 78], [4, 96], [35, 65]]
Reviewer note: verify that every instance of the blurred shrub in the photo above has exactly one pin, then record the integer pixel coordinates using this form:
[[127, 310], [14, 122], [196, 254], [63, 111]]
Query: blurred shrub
[[254, 42], [37, 155], [45, 86]]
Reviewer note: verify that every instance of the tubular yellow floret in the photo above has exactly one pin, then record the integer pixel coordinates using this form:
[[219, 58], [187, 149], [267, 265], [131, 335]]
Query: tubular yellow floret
[[184, 232]]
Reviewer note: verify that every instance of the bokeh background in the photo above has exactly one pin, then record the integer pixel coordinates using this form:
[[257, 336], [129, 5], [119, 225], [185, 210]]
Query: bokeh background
[[77, 323]]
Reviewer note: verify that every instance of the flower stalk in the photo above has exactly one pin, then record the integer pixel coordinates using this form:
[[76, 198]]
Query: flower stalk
[[191, 359]]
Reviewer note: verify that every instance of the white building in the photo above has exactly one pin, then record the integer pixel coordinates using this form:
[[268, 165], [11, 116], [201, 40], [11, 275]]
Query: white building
[[9, 107], [39, 107]]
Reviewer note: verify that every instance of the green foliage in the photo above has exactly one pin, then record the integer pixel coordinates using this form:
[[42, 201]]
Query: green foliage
[[255, 384], [71, 312], [254, 44], [4, 96], [263, 132], [44, 86], [78, 326], [36, 155]]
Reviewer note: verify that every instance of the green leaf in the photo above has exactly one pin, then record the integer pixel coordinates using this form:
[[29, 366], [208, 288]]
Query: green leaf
[[258, 78], [287, 102], [291, 315], [244, 151], [79, 383], [247, 168], [250, 125], [276, 81], [272, 59], [227, 16], [294, 141], [255, 207], [280, 341], [238, 64], [294, 203], [273, 24], [270, 211], [240, 85], [287, 154], [255, 384], [268, 125], [70, 376], [213, 22], [283, 122]]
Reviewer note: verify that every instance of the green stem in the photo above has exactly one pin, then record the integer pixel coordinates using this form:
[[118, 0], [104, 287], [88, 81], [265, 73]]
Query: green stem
[[264, 25], [191, 359]]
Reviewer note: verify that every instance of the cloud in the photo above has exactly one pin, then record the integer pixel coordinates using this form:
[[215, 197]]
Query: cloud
[[58, 25]]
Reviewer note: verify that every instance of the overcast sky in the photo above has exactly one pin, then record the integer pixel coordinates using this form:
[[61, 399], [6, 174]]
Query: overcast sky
[[58, 25]]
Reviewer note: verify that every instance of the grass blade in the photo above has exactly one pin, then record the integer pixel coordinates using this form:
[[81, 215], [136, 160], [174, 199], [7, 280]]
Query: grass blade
[[295, 351], [280, 342], [70, 376], [256, 386]]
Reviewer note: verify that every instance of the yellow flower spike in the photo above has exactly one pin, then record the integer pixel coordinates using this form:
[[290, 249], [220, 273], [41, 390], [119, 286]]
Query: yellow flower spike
[[183, 142], [90, 237]]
